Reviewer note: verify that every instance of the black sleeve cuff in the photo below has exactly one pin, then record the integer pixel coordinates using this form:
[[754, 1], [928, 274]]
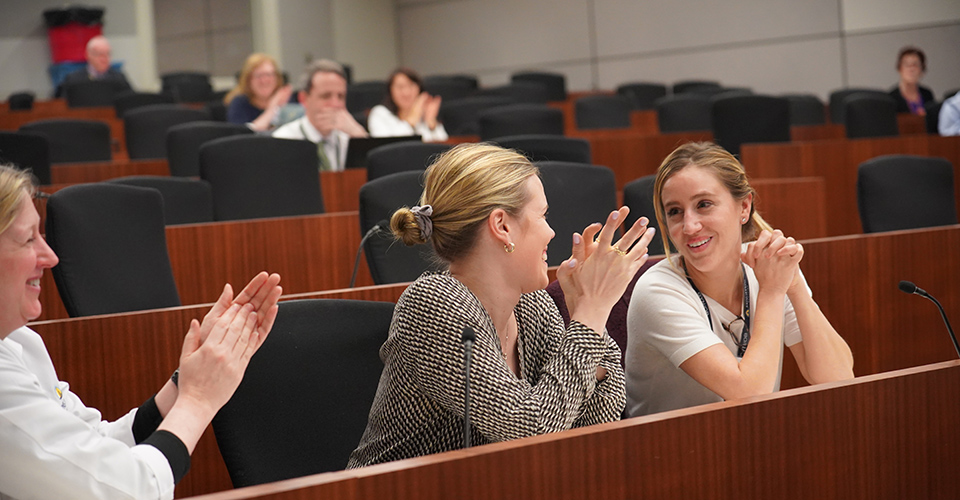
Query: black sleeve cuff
[[146, 420], [175, 451]]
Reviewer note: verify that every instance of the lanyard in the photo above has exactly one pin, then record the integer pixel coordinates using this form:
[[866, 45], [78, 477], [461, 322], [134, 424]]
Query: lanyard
[[745, 334]]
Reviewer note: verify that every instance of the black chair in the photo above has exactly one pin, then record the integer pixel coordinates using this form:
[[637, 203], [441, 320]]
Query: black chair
[[705, 86], [603, 111], [27, 152], [688, 112], [467, 80], [271, 429], [187, 86], [217, 110], [112, 247], [518, 92], [837, 97], [401, 157], [806, 109], [555, 83], [74, 140], [869, 115], [579, 195], [905, 192], [462, 116], [146, 128], [450, 89], [932, 118], [638, 195], [750, 118], [520, 119], [391, 261], [184, 141], [364, 95], [90, 94], [20, 101], [128, 100], [642, 95], [185, 201], [548, 147], [258, 176]]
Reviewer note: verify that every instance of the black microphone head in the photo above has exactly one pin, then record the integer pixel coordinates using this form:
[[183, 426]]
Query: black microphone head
[[908, 287], [468, 334], [384, 225]]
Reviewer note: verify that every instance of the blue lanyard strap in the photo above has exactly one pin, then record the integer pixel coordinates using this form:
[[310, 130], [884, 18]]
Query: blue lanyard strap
[[745, 334]]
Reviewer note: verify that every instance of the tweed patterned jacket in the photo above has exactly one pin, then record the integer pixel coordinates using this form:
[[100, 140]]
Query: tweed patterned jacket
[[418, 409]]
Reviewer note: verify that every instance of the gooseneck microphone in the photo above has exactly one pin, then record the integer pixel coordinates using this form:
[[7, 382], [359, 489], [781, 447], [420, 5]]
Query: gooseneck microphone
[[469, 337], [383, 225], [909, 287]]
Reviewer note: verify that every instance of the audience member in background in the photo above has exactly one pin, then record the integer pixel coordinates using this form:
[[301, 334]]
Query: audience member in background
[[949, 120], [259, 94], [484, 212], [407, 110], [909, 94], [56, 447], [326, 120], [692, 316], [98, 67]]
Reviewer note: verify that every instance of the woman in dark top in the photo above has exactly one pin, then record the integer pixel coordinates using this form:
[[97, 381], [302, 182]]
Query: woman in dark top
[[909, 94], [259, 94]]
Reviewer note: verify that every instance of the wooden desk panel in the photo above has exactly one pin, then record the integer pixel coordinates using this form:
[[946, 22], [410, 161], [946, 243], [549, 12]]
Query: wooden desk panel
[[12, 120], [837, 161], [80, 173], [889, 436], [797, 206]]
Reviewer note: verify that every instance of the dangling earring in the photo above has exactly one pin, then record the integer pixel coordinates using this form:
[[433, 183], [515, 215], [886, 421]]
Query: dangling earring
[[509, 247]]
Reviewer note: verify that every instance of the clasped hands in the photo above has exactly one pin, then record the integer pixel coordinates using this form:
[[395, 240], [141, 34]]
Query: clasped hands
[[775, 260]]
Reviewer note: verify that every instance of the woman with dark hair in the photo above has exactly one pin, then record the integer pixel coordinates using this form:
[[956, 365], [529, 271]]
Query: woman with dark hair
[[710, 324], [909, 94], [407, 110]]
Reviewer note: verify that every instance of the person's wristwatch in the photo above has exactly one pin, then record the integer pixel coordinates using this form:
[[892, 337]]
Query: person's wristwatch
[[175, 378]]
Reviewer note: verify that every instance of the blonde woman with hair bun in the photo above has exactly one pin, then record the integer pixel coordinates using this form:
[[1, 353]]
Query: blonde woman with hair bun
[[484, 212], [736, 283]]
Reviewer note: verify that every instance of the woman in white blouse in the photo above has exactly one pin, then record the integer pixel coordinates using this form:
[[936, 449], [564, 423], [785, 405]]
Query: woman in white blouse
[[407, 110]]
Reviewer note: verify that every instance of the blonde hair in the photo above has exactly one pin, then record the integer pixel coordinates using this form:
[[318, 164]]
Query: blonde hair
[[243, 83], [14, 185], [464, 186], [728, 171]]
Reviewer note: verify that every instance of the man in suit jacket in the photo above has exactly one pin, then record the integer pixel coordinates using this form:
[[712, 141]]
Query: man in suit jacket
[[98, 67]]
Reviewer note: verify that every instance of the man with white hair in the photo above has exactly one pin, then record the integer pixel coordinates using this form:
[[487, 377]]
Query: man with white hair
[[98, 67]]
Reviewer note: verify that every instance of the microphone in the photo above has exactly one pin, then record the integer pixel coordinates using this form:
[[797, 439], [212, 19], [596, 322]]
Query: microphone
[[909, 287], [468, 336], [383, 225]]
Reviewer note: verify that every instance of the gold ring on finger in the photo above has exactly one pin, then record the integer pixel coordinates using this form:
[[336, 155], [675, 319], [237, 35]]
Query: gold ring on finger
[[619, 252]]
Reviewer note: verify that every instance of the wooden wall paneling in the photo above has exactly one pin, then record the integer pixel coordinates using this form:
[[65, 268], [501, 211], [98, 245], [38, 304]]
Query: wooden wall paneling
[[882, 437], [644, 121], [796, 205]]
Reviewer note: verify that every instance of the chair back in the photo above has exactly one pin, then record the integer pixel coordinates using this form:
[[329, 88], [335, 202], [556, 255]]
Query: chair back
[[20, 101], [146, 128], [905, 192], [638, 195], [539, 147], [695, 86], [518, 92], [185, 201], [837, 111], [391, 261], [94, 93], [806, 109], [362, 96], [112, 247], [870, 115], [932, 118], [74, 140], [449, 89], [184, 141], [401, 157], [520, 119], [187, 86], [25, 151], [464, 79], [689, 112], [125, 101], [603, 111], [305, 397], [749, 118], [642, 95], [256, 176], [462, 116], [554, 83], [579, 195]]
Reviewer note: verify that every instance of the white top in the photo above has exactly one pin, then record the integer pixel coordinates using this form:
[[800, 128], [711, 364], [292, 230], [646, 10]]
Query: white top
[[666, 325], [52, 446], [335, 144], [382, 123], [949, 120]]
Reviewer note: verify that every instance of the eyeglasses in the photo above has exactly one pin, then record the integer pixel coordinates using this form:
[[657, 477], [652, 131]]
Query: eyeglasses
[[265, 74], [735, 325]]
